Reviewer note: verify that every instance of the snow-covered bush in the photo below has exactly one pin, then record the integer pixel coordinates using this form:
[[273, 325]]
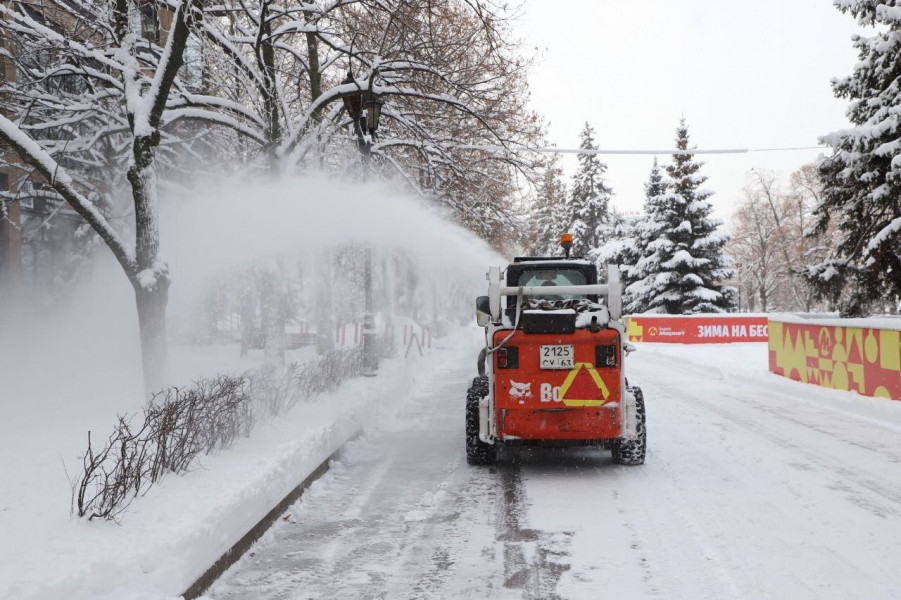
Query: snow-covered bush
[[180, 424], [177, 426]]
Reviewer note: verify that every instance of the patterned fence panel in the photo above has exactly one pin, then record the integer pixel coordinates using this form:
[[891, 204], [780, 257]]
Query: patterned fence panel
[[864, 359]]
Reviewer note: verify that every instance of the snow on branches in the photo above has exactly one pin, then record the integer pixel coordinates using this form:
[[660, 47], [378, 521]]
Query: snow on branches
[[125, 95], [589, 203], [679, 263], [863, 176]]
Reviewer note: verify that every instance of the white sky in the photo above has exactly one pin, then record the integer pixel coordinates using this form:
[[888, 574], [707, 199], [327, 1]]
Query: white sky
[[744, 75]]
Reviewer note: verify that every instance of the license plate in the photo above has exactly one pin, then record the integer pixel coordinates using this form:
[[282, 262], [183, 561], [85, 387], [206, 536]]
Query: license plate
[[556, 357]]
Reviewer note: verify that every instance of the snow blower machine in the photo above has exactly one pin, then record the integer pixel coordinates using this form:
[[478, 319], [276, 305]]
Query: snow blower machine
[[552, 372]]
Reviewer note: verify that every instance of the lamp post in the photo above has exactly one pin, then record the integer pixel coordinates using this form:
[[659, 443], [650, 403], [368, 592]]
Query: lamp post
[[365, 126], [365, 110]]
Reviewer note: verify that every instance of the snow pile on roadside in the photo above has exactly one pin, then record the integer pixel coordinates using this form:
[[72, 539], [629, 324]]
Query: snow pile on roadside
[[171, 536]]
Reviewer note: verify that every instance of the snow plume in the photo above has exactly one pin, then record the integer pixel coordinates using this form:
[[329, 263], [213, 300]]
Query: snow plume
[[81, 355], [242, 221], [57, 357], [247, 223]]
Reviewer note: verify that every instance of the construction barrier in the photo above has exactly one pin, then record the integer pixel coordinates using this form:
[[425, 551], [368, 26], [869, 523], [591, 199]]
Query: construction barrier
[[863, 355], [697, 329]]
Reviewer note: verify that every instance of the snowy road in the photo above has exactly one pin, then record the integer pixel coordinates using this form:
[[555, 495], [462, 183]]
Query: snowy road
[[755, 487]]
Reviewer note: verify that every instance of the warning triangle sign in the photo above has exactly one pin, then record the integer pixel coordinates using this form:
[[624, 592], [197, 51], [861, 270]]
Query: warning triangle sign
[[583, 387]]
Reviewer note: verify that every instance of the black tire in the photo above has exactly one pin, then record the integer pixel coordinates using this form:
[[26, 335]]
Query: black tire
[[477, 451], [632, 452]]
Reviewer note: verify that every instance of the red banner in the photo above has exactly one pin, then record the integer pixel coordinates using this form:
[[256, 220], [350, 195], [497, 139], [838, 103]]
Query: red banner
[[713, 329]]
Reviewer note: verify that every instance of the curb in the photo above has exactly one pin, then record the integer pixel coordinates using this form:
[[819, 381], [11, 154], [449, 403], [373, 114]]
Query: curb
[[233, 554]]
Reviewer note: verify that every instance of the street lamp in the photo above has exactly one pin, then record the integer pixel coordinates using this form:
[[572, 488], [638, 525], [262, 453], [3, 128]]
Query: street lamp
[[373, 105], [353, 103], [365, 124]]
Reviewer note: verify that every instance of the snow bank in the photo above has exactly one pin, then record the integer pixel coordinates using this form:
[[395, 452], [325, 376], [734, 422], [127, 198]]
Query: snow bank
[[172, 535]]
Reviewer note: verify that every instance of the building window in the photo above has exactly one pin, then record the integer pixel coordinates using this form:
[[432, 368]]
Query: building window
[[26, 195], [150, 22], [27, 192]]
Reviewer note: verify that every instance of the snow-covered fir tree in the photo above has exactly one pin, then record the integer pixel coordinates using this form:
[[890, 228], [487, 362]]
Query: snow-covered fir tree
[[681, 264], [636, 298], [590, 199], [863, 176], [618, 246], [549, 216]]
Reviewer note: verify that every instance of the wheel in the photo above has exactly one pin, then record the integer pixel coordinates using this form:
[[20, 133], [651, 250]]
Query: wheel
[[477, 451], [631, 452]]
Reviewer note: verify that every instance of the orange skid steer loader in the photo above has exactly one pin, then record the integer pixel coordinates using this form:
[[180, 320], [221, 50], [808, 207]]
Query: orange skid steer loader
[[552, 371]]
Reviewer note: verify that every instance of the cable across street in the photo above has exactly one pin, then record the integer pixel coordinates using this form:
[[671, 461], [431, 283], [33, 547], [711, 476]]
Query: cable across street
[[673, 151], [585, 151]]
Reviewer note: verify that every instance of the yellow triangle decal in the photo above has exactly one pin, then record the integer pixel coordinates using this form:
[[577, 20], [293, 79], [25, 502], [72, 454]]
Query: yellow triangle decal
[[571, 377]]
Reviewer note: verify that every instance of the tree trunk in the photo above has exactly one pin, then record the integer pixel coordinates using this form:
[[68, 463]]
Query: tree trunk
[[265, 54], [151, 280], [272, 316], [151, 306], [324, 307], [10, 248], [314, 70]]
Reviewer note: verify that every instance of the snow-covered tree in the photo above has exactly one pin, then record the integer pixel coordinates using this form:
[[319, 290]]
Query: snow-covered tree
[[590, 199], [140, 77], [627, 240], [768, 243], [548, 216], [682, 263], [618, 247], [641, 263], [863, 175], [454, 124], [262, 88], [756, 244], [141, 98]]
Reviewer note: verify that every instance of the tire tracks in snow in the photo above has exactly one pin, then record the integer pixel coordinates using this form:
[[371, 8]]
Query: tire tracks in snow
[[811, 455], [537, 576], [801, 451], [401, 516], [653, 522]]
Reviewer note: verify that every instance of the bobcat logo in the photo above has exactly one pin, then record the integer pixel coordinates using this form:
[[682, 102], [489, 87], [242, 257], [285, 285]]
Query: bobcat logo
[[520, 390]]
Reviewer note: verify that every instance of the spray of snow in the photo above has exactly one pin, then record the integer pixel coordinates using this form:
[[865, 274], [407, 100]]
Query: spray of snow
[[239, 223], [73, 368]]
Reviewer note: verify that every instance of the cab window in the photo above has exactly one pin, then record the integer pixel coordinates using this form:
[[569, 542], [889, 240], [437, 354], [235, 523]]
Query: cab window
[[551, 278]]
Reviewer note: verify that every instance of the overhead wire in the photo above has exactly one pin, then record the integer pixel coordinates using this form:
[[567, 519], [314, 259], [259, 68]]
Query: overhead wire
[[551, 150], [586, 151]]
